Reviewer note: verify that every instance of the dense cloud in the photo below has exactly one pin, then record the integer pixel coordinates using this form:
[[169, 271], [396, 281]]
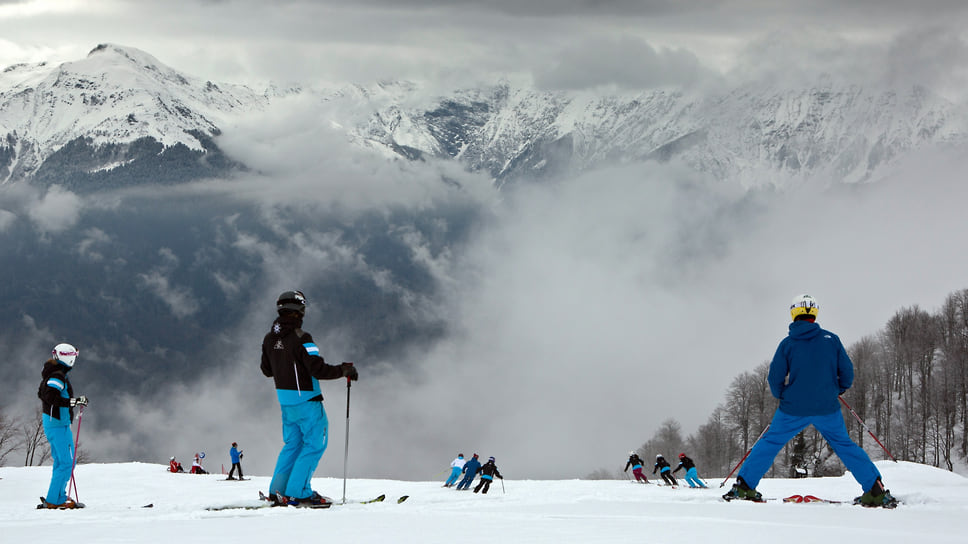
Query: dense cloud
[[563, 321], [454, 43]]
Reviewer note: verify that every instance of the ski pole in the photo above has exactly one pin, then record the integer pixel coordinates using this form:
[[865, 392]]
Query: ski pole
[[77, 440], [346, 449], [745, 456], [866, 428], [503, 492]]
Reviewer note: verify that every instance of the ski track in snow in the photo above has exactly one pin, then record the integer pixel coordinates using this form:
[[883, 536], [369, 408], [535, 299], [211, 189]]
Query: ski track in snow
[[934, 510]]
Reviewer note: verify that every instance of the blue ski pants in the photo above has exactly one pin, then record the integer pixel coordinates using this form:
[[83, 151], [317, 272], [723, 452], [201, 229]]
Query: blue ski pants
[[62, 454], [784, 427], [305, 431], [692, 478], [467, 480], [454, 473]]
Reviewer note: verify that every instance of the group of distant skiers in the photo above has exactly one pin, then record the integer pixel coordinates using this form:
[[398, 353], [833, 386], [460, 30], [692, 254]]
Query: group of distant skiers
[[470, 469], [235, 454], [665, 470], [175, 466]]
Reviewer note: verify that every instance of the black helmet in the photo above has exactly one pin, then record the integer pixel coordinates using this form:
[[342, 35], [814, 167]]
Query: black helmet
[[292, 300]]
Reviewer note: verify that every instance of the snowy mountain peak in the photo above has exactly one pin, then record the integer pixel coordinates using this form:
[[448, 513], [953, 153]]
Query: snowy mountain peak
[[114, 111], [107, 119]]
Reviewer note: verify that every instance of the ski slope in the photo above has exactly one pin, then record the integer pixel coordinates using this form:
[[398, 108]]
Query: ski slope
[[934, 510]]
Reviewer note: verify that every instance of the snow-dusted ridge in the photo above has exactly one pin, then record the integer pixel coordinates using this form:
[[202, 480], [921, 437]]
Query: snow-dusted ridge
[[75, 123], [113, 98]]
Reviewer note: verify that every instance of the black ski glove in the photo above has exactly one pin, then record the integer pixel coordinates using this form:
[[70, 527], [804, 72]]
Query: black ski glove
[[349, 371]]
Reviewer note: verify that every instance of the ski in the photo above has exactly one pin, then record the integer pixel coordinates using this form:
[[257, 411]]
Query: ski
[[814, 499], [266, 502], [253, 506], [810, 498], [747, 500]]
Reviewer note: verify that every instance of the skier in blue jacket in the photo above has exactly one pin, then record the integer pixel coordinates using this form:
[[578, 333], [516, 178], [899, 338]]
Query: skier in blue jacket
[[236, 455], [58, 404], [809, 371], [470, 470]]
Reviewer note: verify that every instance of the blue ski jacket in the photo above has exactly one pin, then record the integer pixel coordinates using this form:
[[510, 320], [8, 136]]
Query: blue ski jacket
[[471, 467], [810, 369]]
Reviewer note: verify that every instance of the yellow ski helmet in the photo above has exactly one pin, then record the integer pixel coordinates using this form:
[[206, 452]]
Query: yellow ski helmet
[[804, 305]]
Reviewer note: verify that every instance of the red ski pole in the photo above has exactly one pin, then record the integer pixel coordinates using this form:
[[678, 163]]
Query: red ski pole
[[745, 456], [77, 440], [866, 428]]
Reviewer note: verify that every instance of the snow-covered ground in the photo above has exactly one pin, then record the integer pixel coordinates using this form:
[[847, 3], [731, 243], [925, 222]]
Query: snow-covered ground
[[934, 510]]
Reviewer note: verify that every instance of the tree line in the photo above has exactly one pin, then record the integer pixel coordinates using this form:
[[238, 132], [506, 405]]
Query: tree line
[[910, 389]]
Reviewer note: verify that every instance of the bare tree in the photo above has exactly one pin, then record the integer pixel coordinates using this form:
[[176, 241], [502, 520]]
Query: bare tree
[[9, 436], [35, 444]]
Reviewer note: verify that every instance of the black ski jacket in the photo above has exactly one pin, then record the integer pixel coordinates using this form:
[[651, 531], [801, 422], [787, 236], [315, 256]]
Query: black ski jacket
[[51, 398], [489, 471], [634, 460], [292, 360], [660, 463], [684, 463]]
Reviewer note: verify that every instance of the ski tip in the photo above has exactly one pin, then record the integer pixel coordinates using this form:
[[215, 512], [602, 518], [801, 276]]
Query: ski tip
[[149, 505], [402, 498]]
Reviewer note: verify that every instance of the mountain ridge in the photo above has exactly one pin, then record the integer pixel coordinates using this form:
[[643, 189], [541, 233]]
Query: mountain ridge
[[121, 117]]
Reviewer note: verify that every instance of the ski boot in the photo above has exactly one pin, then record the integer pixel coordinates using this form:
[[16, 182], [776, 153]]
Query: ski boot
[[744, 492], [877, 497], [68, 504], [313, 501]]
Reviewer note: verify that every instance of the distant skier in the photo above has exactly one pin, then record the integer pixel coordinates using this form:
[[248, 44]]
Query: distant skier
[[456, 466], [236, 455], [692, 475], [197, 466], [636, 463], [808, 373], [488, 473], [57, 403], [664, 470], [174, 466], [292, 360], [470, 470]]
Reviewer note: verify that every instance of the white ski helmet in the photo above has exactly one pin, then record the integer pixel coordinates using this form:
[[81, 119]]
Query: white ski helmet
[[632, 452], [65, 354], [804, 305]]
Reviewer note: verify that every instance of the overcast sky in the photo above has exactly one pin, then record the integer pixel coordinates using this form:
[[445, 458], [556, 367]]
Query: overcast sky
[[555, 43]]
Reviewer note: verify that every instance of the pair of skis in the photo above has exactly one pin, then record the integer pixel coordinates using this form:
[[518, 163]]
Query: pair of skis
[[800, 499], [266, 502]]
